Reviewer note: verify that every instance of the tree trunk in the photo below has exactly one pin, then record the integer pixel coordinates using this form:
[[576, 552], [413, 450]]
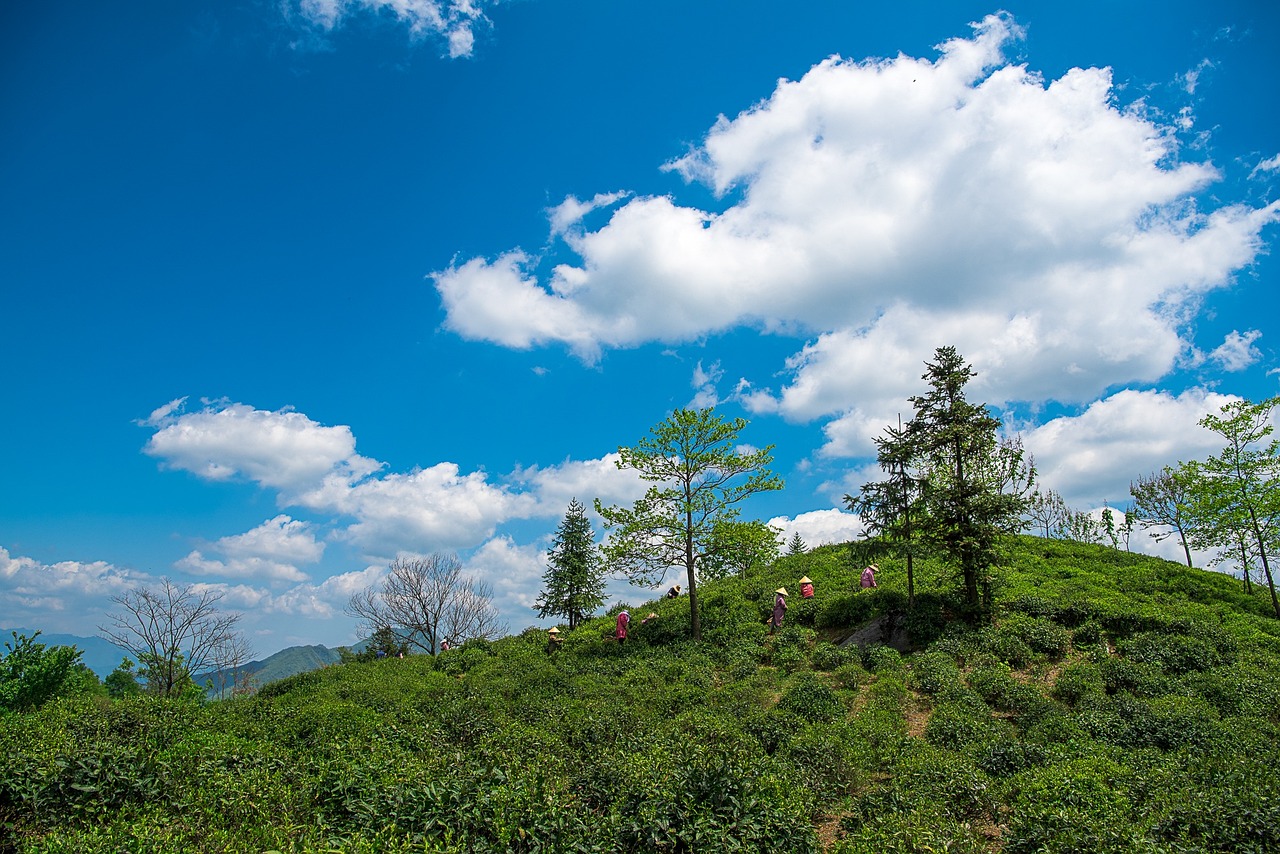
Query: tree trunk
[[1185, 548], [693, 578], [1266, 565]]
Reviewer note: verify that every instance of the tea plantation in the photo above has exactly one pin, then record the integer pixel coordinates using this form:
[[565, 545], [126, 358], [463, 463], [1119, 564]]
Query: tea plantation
[[1113, 703]]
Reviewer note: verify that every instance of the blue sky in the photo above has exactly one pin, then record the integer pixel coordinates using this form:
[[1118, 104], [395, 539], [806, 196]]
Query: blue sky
[[291, 289]]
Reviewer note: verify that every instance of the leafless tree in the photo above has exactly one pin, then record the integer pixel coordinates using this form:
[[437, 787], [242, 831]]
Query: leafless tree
[[230, 661], [1048, 513], [173, 631], [428, 600]]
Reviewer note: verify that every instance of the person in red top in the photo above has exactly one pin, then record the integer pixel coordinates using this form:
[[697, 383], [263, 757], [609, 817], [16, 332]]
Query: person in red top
[[623, 620], [806, 588]]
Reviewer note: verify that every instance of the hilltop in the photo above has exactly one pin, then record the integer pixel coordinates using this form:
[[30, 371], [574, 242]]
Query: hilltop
[[1114, 703]]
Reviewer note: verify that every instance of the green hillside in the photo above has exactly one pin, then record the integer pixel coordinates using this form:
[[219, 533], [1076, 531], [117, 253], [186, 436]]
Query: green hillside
[[280, 665], [1116, 703]]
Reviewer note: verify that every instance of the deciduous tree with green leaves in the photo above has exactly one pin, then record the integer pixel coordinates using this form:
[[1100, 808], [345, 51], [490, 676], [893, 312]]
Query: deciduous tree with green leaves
[[738, 547], [573, 585], [1162, 502], [699, 474], [1236, 495], [32, 673], [1048, 512]]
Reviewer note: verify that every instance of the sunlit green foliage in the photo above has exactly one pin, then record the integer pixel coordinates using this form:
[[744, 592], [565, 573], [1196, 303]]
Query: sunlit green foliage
[[1116, 703]]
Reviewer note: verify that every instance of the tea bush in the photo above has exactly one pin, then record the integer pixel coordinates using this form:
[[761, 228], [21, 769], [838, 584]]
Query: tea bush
[[827, 656], [810, 699], [932, 672], [1075, 806]]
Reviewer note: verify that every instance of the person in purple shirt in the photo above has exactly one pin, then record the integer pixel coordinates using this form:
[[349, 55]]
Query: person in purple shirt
[[869, 577], [624, 619], [779, 608]]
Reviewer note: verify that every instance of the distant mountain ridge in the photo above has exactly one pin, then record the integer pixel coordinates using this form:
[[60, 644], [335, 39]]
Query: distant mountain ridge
[[102, 657], [286, 662]]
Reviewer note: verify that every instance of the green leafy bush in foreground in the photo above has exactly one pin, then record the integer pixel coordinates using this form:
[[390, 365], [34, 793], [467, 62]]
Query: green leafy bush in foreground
[[1113, 704]]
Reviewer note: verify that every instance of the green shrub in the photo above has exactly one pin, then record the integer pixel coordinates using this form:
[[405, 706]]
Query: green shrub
[[960, 726], [1005, 757], [1167, 723], [810, 699], [925, 621], [1142, 679], [850, 675], [852, 609], [1087, 634], [931, 672], [827, 656], [1041, 635], [1005, 645], [1076, 681], [1077, 806], [882, 659], [924, 830], [1174, 654], [927, 778]]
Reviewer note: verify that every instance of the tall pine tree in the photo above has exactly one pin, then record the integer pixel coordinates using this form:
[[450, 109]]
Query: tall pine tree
[[573, 585], [975, 486]]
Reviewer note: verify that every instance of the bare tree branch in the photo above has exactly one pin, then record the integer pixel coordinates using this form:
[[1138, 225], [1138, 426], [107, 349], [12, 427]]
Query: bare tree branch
[[428, 600]]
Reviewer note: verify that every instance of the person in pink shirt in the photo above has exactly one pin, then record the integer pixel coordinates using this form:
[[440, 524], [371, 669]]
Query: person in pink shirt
[[624, 619], [869, 577], [806, 588], [779, 609]]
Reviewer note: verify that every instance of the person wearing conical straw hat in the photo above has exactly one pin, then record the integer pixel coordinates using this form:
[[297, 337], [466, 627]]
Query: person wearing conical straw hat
[[806, 588], [553, 639], [869, 577], [620, 632], [779, 609]]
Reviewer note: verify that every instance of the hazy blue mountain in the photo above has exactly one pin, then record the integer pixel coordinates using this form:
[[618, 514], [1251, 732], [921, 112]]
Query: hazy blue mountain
[[100, 656], [103, 656], [286, 662]]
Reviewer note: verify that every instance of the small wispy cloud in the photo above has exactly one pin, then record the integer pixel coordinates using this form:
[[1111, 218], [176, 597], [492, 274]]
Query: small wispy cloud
[[455, 22]]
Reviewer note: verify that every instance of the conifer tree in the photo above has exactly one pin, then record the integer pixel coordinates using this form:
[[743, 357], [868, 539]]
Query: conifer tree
[[796, 546], [890, 509], [573, 585], [974, 485]]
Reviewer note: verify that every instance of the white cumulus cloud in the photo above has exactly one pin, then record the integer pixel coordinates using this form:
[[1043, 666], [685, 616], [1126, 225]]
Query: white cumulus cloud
[[273, 551], [1093, 457], [1057, 239]]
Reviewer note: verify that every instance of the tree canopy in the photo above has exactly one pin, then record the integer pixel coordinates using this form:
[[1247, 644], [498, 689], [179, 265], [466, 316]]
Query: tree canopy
[[951, 479], [700, 472], [573, 584], [427, 600]]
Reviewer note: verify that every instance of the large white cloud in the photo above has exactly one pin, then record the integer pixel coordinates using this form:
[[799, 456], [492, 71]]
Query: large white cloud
[[316, 467], [282, 450], [1093, 457], [819, 527], [892, 205]]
